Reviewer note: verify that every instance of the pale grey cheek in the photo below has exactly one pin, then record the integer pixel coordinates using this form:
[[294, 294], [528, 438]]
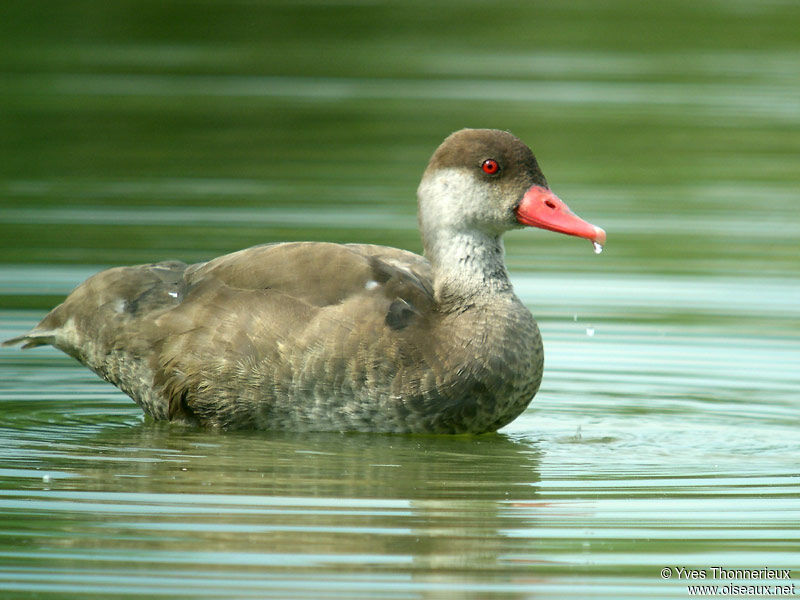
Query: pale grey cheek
[[453, 199]]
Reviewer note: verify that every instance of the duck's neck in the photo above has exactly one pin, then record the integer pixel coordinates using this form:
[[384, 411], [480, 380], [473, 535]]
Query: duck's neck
[[468, 266]]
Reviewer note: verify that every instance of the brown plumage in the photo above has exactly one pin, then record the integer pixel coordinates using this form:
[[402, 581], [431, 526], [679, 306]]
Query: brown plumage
[[313, 336]]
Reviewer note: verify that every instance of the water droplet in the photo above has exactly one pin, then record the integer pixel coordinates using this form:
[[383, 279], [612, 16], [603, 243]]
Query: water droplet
[[590, 331], [598, 248]]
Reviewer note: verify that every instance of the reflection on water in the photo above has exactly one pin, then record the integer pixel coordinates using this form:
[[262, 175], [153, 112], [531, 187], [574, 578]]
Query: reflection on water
[[665, 432], [241, 507]]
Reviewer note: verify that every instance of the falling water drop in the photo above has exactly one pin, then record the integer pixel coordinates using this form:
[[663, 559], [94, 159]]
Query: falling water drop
[[598, 248]]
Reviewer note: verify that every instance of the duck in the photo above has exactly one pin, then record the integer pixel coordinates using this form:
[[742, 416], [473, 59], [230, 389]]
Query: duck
[[316, 336]]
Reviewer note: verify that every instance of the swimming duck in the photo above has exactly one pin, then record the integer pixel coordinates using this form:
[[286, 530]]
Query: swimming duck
[[313, 336]]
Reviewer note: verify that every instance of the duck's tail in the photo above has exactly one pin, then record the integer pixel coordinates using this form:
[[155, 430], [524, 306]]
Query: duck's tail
[[35, 337]]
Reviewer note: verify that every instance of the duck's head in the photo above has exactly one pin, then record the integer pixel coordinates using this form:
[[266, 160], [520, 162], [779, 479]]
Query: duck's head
[[488, 181]]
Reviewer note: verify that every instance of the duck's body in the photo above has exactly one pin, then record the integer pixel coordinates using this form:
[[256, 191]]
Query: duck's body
[[327, 337]]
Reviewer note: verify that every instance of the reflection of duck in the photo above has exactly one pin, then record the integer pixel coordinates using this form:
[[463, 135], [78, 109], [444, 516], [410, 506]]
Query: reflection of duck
[[415, 469], [317, 336], [383, 514]]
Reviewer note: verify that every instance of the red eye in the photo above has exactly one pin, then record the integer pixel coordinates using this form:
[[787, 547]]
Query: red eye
[[490, 166]]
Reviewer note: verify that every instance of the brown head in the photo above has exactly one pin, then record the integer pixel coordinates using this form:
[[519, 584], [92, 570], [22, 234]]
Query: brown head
[[489, 180]]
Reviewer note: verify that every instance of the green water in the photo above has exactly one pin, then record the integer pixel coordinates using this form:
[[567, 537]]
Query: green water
[[665, 433]]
